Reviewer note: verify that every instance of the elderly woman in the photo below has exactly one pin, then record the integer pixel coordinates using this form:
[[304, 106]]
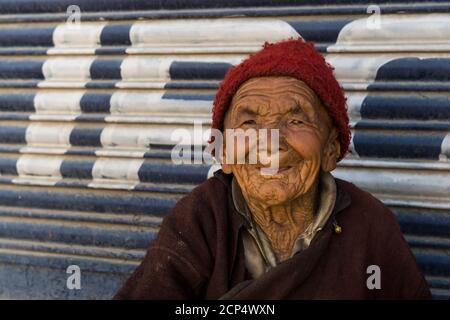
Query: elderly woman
[[298, 233]]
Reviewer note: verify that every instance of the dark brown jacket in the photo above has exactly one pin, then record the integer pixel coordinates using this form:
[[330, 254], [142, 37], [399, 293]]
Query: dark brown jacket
[[198, 254]]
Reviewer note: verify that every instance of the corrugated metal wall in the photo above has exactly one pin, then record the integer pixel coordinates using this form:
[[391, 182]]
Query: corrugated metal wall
[[87, 113]]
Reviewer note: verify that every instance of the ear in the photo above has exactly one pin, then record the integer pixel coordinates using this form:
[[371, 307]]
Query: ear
[[331, 151]]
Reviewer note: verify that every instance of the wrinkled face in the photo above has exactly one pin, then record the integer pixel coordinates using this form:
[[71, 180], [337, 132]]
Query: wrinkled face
[[307, 139]]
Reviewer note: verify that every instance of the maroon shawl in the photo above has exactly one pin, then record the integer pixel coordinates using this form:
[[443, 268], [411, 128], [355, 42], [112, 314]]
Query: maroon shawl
[[198, 254]]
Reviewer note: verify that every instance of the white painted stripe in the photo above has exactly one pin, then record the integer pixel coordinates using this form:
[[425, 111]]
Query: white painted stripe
[[214, 168], [404, 32], [445, 149], [395, 164], [48, 135], [351, 147], [115, 152], [116, 173], [154, 72], [43, 150], [66, 72], [141, 137], [119, 140], [354, 103], [414, 203], [207, 35], [131, 103], [83, 38], [357, 72], [58, 103], [38, 170], [399, 183], [52, 117], [145, 69], [160, 119]]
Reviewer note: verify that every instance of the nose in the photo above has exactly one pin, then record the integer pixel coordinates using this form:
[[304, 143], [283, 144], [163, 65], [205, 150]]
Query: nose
[[283, 146], [274, 138]]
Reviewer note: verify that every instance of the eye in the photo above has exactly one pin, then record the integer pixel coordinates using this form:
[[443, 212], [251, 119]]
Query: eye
[[296, 122], [248, 122]]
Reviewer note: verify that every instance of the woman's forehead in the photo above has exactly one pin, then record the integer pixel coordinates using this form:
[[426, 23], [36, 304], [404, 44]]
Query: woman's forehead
[[257, 94], [284, 93]]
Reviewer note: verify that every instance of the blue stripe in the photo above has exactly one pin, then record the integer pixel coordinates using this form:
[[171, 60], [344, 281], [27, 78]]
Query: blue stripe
[[433, 262], [80, 151], [90, 118], [45, 230], [72, 183], [105, 69], [8, 166], [161, 146], [440, 294], [102, 84], [428, 242], [272, 11], [52, 6], [26, 37], [17, 102], [14, 117], [409, 86], [155, 153], [13, 134], [126, 203], [27, 276], [77, 169], [40, 276], [211, 85], [439, 282], [25, 212], [165, 188], [198, 70], [12, 51], [86, 137], [423, 222], [411, 106], [402, 125], [22, 83], [189, 96], [170, 173], [113, 35], [21, 69], [95, 102], [9, 148], [415, 69], [111, 50], [398, 145], [326, 31]]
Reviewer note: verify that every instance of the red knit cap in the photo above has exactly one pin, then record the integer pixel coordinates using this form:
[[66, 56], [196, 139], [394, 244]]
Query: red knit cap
[[294, 58]]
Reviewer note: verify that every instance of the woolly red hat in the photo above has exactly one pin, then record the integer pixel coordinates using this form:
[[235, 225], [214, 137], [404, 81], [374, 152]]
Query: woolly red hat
[[295, 58]]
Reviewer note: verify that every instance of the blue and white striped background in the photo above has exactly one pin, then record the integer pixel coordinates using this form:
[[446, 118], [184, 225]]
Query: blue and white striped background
[[87, 114]]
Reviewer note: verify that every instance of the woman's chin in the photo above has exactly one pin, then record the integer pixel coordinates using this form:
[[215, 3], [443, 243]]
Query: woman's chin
[[273, 192]]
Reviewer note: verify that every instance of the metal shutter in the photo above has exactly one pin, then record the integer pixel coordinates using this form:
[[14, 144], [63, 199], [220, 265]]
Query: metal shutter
[[87, 114]]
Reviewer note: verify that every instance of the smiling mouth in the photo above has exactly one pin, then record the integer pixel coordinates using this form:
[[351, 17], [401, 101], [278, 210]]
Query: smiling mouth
[[283, 169], [274, 173]]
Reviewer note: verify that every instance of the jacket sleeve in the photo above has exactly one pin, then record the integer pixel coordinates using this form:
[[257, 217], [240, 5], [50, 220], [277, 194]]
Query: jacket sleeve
[[177, 262]]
